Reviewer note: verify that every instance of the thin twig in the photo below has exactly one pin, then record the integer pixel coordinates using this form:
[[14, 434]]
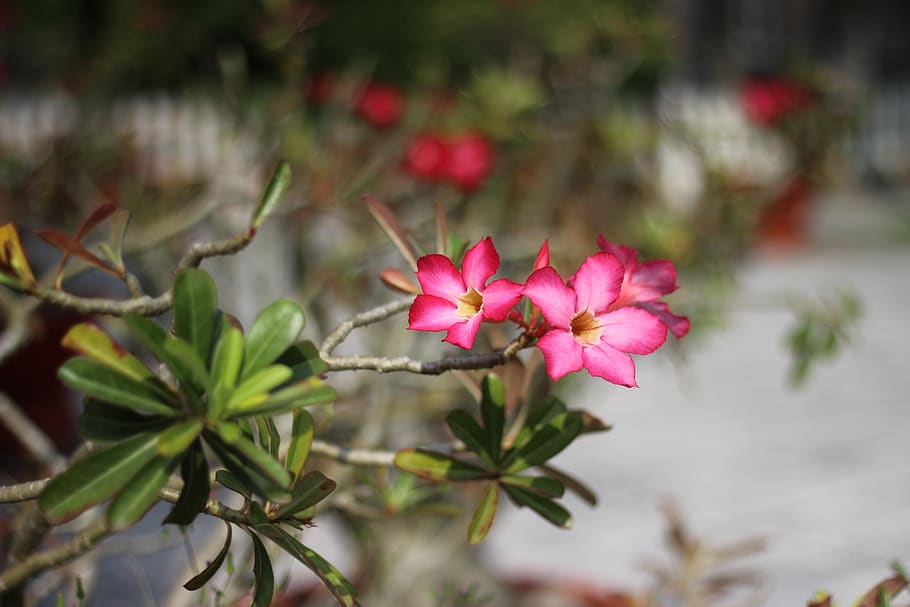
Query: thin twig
[[355, 457], [30, 436], [431, 367], [146, 306], [22, 492], [361, 320]]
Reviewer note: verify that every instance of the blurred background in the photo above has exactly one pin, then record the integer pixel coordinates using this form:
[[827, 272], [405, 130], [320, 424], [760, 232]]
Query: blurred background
[[763, 146]]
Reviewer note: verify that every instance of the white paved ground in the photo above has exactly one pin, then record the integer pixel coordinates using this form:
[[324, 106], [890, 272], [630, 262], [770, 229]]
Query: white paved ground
[[823, 472]]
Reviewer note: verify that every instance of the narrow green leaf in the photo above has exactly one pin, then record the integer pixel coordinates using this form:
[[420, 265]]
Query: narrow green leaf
[[541, 485], [258, 515], [483, 517], [194, 469], [255, 389], [303, 359], [96, 478], [245, 478], [228, 480], [310, 489], [302, 432], [277, 186], [275, 329], [571, 483], [155, 339], [199, 580], [226, 362], [119, 223], [336, 583], [100, 381], [185, 356], [195, 310], [493, 412], [105, 423], [140, 493], [268, 435], [540, 414], [179, 437], [548, 509], [264, 463], [264, 586], [471, 434], [90, 341], [547, 441], [303, 394], [438, 466]]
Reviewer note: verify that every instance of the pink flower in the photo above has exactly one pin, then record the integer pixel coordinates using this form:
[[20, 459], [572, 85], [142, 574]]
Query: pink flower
[[380, 104], [584, 331], [643, 284], [426, 157], [458, 302], [469, 162], [767, 100]]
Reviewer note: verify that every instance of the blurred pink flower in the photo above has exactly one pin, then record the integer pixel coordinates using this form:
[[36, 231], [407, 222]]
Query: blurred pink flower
[[644, 283], [380, 104], [766, 100], [457, 302], [426, 156], [470, 160], [584, 331]]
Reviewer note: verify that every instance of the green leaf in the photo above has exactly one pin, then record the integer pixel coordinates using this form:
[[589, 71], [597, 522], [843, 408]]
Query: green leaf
[[255, 389], [483, 517], [140, 493], [438, 466], [471, 434], [303, 358], [194, 469], [548, 509], [264, 579], [180, 359], [103, 383], [90, 341], [179, 437], [226, 362], [302, 432], [96, 478], [275, 329], [252, 454], [336, 583], [105, 423], [493, 412], [540, 414], [228, 480], [541, 485], [571, 483], [195, 310], [310, 489], [247, 479], [277, 186], [268, 435], [546, 442], [305, 393], [199, 580]]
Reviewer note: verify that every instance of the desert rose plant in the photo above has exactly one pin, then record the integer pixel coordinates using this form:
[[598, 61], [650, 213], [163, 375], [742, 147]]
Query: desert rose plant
[[229, 410]]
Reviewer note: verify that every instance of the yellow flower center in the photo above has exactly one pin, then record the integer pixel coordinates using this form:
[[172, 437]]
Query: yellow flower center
[[586, 328], [469, 303]]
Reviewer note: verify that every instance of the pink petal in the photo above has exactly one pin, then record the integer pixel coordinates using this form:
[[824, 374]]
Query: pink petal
[[462, 334], [480, 263], [438, 276], [431, 313], [611, 365], [598, 281], [499, 297], [547, 291], [632, 330], [654, 279], [543, 256], [561, 353], [627, 255], [678, 325]]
